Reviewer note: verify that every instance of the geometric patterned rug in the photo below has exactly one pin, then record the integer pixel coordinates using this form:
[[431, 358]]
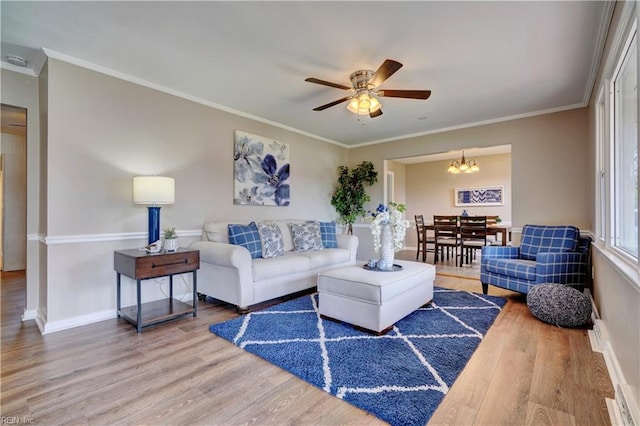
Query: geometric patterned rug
[[400, 377]]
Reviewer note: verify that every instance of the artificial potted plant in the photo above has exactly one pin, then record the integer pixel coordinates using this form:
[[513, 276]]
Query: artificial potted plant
[[350, 196], [170, 239]]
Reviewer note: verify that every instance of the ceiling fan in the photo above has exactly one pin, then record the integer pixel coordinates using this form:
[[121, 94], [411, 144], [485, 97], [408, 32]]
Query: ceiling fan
[[363, 99]]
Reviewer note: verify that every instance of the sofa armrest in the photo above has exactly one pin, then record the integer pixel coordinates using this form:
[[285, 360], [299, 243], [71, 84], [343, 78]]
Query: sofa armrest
[[229, 255], [498, 252], [349, 242], [561, 268], [226, 272], [502, 252]]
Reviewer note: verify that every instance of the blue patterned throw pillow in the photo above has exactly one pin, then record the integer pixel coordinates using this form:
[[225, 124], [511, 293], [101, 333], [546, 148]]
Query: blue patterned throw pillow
[[328, 234], [246, 236], [306, 236], [271, 239]]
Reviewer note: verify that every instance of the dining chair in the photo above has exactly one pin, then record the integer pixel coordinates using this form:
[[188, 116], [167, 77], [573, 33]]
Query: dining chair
[[425, 239], [447, 238], [492, 221], [473, 236]]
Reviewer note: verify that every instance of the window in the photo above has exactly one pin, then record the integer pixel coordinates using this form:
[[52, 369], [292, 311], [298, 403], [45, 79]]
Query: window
[[601, 181], [625, 150]]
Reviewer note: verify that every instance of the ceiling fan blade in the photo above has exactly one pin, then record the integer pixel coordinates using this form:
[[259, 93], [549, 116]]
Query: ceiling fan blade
[[375, 114], [330, 104], [412, 94], [327, 83], [386, 70]]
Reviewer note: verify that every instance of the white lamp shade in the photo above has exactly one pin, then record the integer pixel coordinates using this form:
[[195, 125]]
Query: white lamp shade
[[153, 190]]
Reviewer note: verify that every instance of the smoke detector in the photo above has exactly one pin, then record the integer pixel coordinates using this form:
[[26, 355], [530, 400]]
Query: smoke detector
[[16, 60]]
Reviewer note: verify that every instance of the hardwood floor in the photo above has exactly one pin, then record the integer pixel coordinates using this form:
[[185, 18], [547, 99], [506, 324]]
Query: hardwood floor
[[524, 372]]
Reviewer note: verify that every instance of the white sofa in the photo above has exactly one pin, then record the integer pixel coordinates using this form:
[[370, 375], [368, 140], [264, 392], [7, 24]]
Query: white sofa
[[227, 271]]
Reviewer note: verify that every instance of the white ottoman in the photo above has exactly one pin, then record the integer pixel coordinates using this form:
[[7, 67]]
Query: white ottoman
[[375, 300]]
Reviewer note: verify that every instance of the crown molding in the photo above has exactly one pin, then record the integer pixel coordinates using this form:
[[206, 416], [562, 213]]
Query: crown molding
[[476, 124], [22, 70]]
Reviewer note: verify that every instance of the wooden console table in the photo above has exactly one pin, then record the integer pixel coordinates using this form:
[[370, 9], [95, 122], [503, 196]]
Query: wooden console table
[[140, 265]]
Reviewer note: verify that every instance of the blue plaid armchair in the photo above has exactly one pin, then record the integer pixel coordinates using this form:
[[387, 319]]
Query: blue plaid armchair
[[547, 254]]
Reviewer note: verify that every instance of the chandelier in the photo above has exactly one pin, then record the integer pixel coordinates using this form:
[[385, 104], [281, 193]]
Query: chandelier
[[463, 166]]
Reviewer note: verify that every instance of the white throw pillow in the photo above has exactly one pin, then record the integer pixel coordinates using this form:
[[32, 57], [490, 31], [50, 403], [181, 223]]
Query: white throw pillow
[[271, 240], [306, 236]]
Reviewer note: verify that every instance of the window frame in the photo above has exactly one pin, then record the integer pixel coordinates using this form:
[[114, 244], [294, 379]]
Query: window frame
[[613, 148], [604, 133]]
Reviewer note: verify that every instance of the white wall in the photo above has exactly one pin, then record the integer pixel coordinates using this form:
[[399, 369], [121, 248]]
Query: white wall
[[13, 147], [102, 131], [430, 189], [543, 189], [616, 286], [22, 91]]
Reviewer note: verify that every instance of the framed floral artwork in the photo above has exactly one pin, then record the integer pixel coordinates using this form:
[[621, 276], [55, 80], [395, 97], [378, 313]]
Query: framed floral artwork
[[261, 171]]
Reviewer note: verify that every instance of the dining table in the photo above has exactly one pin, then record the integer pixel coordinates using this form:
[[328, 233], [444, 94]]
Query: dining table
[[493, 229]]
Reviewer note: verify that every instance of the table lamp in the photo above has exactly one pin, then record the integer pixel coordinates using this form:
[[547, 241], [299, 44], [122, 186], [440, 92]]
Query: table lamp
[[153, 190]]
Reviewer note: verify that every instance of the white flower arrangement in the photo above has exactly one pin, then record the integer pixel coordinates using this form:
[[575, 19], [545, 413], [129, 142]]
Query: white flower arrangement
[[391, 214]]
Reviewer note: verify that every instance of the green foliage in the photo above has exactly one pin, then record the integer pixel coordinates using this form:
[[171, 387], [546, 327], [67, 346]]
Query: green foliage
[[170, 233], [399, 207], [350, 196]]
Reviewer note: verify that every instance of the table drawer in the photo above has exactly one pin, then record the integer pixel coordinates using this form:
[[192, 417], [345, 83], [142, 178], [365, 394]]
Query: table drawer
[[167, 264], [140, 265]]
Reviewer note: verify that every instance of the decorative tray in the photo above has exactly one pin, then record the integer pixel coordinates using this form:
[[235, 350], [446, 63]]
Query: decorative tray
[[395, 268]]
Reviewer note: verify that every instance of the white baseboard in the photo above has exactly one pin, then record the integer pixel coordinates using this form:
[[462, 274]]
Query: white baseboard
[[598, 337], [29, 314], [47, 327], [623, 410], [53, 326], [41, 320]]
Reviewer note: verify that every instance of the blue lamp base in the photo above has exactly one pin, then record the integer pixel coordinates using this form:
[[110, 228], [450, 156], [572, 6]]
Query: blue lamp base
[[154, 223]]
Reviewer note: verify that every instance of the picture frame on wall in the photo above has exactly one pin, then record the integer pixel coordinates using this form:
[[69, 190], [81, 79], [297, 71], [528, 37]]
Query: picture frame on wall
[[479, 197], [261, 171]]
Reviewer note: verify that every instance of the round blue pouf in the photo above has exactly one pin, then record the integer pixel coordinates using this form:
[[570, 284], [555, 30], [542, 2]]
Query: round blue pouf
[[559, 305]]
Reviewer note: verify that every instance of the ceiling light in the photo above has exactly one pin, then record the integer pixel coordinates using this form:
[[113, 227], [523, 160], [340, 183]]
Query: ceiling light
[[463, 166], [364, 104], [16, 60]]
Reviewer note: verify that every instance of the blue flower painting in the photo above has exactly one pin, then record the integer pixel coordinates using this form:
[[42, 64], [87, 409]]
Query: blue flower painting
[[261, 169]]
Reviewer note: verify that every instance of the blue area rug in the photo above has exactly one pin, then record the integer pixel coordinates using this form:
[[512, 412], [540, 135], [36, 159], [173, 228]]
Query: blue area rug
[[400, 377]]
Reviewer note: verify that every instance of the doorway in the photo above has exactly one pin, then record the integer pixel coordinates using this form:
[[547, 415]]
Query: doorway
[[13, 189]]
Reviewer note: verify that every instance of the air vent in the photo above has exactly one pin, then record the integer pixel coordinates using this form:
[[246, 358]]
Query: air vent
[[16, 60]]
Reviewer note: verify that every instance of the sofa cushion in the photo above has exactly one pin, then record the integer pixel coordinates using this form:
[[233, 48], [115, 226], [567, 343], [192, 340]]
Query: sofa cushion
[[217, 232], [288, 263], [306, 236], [286, 231], [327, 257], [328, 234], [246, 236], [271, 239], [519, 268], [547, 239]]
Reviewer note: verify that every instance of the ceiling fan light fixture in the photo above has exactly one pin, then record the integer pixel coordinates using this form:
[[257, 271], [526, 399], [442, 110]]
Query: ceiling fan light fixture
[[375, 104], [363, 104], [364, 87]]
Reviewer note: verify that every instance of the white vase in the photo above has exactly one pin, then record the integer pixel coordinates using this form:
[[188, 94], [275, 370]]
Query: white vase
[[387, 251], [171, 244]]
